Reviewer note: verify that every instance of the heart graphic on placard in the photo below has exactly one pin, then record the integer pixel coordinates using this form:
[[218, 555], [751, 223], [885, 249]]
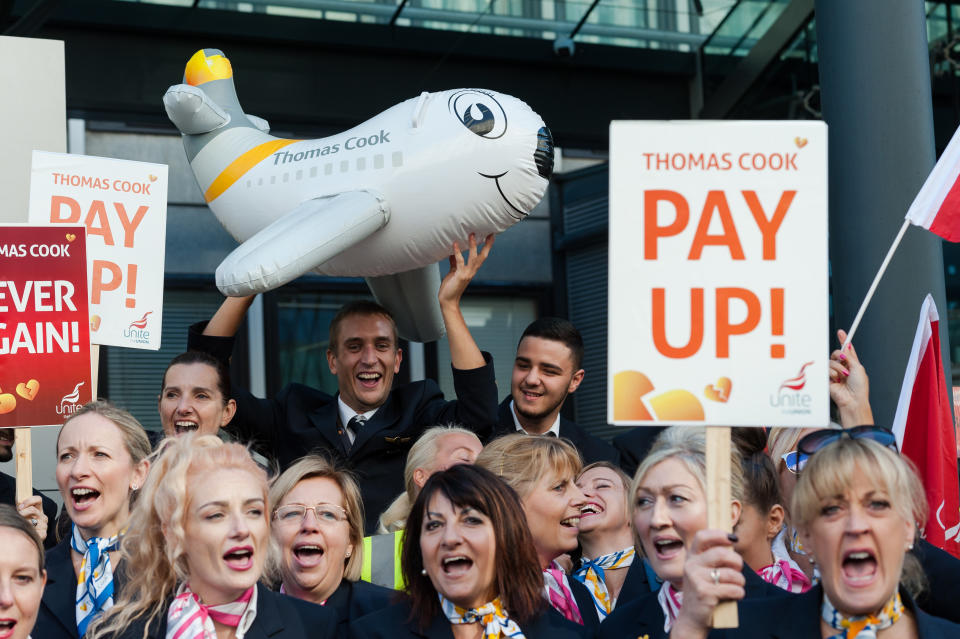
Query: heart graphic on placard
[[153, 178], [94, 323], [800, 142], [71, 237], [719, 391], [7, 403], [28, 390]]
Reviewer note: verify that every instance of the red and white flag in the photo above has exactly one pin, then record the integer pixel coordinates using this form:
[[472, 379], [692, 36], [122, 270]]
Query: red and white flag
[[937, 205], [924, 430]]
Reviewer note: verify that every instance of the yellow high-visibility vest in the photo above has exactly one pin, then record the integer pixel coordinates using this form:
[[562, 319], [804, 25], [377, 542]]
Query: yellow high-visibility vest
[[381, 560]]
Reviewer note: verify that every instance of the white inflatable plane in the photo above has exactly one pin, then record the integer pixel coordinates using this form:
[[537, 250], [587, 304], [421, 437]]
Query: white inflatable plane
[[385, 200]]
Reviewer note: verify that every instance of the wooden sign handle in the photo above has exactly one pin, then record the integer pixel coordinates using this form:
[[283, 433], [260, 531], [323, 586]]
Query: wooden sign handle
[[21, 441], [718, 506]]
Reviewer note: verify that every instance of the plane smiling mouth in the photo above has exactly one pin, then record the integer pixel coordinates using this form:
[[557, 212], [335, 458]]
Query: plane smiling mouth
[[496, 178]]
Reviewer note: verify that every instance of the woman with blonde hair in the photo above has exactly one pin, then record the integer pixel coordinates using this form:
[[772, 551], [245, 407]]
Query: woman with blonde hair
[[856, 505], [543, 472], [437, 449], [22, 574], [668, 507], [195, 549], [101, 463], [609, 566], [317, 524]]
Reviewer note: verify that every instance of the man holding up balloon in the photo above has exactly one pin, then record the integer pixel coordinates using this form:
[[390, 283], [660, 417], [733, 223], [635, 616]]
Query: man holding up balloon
[[369, 425]]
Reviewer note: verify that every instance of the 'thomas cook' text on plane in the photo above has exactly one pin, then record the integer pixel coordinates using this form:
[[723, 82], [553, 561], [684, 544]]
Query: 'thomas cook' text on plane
[[385, 200]]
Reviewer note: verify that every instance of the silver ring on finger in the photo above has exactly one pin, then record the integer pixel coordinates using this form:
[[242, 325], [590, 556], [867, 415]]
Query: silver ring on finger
[[715, 575], [34, 521]]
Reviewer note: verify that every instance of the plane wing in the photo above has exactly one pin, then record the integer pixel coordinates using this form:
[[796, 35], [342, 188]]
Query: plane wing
[[300, 241], [412, 299]]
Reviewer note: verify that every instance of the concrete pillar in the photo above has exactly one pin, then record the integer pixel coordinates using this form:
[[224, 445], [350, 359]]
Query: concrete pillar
[[875, 84]]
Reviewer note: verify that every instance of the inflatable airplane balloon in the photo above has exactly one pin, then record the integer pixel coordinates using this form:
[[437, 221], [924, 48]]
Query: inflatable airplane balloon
[[385, 200]]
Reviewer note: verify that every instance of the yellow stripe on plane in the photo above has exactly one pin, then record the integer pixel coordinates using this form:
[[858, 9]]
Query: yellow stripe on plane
[[238, 168]]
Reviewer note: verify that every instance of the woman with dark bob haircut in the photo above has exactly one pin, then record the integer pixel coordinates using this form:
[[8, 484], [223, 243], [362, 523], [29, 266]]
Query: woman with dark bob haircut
[[470, 566]]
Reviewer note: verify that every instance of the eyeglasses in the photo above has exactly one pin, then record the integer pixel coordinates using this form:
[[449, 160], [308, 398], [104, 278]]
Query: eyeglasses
[[795, 461], [326, 514], [822, 438]]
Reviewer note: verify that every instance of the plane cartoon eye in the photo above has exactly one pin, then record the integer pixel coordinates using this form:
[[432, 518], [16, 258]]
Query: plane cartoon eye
[[480, 112]]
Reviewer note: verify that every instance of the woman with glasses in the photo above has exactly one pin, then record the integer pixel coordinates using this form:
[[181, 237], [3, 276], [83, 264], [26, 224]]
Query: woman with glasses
[[470, 566], [317, 525], [856, 506], [196, 545]]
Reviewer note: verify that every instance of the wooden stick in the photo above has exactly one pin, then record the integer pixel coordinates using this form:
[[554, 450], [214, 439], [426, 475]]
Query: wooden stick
[[718, 506], [21, 441], [873, 286]]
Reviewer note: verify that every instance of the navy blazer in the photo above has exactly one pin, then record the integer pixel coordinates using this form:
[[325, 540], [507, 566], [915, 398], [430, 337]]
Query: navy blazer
[[798, 617], [278, 616], [8, 495], [301, 419], [943, 574], [57, 616], [592, 449], [634, 445], [354, 599], [636, 584], [395, 623], [644, 616], [588, 611]]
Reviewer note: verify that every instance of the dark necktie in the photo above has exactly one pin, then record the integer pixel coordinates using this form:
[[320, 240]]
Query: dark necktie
[[355, 425], [550, 433]]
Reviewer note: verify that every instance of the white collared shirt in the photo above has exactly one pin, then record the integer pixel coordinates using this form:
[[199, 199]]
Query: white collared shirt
[[555, 429], [246, 619], [347, 413]]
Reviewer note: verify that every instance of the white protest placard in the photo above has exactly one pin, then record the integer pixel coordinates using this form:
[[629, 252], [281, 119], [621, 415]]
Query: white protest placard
[[718, 300], [123, 204]]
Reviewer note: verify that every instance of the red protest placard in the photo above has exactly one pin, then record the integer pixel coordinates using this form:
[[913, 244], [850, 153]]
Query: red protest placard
[[44, 324]]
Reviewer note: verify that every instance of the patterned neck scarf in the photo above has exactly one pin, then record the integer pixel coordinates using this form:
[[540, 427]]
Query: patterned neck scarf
[[864, 627], [671, 602], [559, 594], [187, 618], [795, 546], [591, 574], [95, 580], [783, 574], [496, 623]]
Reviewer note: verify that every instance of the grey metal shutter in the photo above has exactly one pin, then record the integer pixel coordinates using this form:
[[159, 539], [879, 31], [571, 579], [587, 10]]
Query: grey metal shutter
[[580, 218]]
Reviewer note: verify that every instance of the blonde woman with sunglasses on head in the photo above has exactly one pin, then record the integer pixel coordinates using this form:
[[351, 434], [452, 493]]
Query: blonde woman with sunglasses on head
[[856, 507]]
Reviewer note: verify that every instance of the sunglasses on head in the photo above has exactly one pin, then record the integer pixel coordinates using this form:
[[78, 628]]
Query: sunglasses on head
[[795, 461], [819, 439]]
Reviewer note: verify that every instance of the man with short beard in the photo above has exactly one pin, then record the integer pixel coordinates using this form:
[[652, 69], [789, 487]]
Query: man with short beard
[[39, 509], [545, 371]]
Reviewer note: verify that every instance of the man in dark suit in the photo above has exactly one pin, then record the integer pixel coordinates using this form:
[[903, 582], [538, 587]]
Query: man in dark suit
[[368, 426], [39, 510], [545, 371], [634, 445]]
